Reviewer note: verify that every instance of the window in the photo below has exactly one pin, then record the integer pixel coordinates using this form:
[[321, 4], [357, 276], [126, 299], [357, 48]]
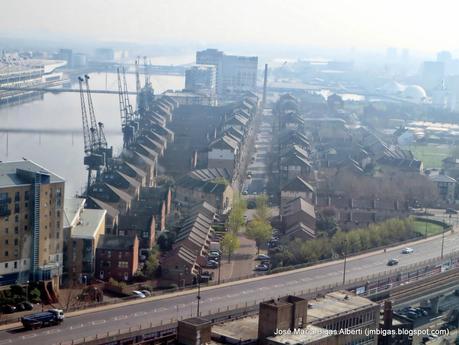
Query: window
[[26, 195], [16, 218], [122, 264], [6, 253], [15, 264], [6, 264], [6, 242], [16, 230], [109, 253], [16, 208], [25, 227], [16, 197], [16, 242], [6, 231]]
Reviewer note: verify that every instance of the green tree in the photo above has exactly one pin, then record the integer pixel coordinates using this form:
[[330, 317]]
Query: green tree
[[229, 244], [165, 240], [236, 217], [152, 263], [260, 231], [262, 210]]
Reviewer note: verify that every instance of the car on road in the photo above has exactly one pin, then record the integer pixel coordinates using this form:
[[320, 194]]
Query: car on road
[[450, 211], [407, 250], [138, 294], [211, 264], [245, 192], [392, 262], [262, 257], [261, 268]]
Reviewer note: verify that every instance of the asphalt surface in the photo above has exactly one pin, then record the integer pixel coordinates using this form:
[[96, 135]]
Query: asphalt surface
[[213, 298]]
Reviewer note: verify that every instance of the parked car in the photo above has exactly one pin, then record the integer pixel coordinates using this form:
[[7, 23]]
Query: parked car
[[261, 268], [451, 211], [262, 257], [8, 309], [211, 264], [146, 293], [251, 204], [407, 250], [245, 192], [392, 262], [138, 294], [215, 253], [213, 257], [27, 305]]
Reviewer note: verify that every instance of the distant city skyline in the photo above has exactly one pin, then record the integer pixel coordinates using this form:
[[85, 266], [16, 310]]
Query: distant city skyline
[[421, 26]]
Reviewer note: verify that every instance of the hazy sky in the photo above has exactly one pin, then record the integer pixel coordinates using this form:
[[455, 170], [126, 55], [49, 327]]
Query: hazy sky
[[424, 25]]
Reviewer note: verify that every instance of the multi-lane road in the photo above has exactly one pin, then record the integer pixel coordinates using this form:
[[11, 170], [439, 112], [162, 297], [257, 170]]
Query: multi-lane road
[[155, 310]]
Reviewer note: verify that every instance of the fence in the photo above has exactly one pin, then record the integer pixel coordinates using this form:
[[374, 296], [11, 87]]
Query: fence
[[235, 311]]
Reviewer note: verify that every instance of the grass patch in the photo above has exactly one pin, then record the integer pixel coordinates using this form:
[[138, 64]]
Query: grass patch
[[430, 155], [432, 229]]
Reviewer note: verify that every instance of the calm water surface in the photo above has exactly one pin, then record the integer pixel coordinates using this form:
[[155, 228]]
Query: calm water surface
[[62, 152]]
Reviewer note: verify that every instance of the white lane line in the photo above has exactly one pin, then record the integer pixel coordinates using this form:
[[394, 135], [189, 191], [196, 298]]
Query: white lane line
[[78, 326], [120, 317], [98, 322], [278, 285], [140, 313], [28, 336], [161, 309], [53, 331]]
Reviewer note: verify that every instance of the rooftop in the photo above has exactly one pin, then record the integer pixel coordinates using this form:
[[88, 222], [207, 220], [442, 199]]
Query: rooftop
[[334, 303], [72, 209], [90, 222], [238, 330], [9, 176], [112, 242]]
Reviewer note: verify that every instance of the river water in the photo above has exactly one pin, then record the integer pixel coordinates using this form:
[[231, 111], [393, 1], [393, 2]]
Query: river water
[[62, 152]]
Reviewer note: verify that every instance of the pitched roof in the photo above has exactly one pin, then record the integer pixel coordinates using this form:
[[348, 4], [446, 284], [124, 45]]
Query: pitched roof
[[224, 142], [442, 178], [298, 205], [295, 229], [121, 194], [111, 211], [298, 185]]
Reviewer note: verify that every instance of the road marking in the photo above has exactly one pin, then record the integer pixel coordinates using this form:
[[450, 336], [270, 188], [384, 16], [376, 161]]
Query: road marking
[[161, 309], [98, 322], [121, 317], [278, 285], [28, 336], [7, 341], [77, 326], [140, 313], [53, 331]]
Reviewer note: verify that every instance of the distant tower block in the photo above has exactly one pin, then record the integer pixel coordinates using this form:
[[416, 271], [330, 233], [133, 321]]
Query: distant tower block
[[265, 85]]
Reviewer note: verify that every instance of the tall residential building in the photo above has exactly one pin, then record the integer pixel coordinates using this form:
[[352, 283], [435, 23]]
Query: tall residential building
[[31, 223], [234, 73], [202, 79], [433, 73]]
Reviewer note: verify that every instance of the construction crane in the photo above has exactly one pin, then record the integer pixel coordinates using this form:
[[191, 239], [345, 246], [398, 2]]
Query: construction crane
[[137, 76], [146, 70], [94, 159], [126, 118]]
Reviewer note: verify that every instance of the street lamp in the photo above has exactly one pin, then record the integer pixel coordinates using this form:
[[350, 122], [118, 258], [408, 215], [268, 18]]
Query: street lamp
[[219, 269], [198, 297], [27, 291], [345, 261]]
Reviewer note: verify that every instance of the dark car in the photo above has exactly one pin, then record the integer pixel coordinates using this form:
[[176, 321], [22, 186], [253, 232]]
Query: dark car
[[27, 305], [8, 309], [251, 204], [211, 264], [451, 211], [261, 268], [392, 262]]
